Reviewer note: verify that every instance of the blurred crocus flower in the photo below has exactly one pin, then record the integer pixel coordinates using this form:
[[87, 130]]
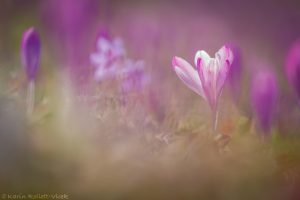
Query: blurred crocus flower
[[30, 56], [134, 76], [292, 67], [110, 61], [264, 94], [109, 53], [209, 77], [30, 52]]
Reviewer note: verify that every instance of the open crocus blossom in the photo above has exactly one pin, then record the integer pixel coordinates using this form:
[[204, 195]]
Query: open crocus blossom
[[30, 52], [210, 74], [208, 78], [264, 93], [292, 67]]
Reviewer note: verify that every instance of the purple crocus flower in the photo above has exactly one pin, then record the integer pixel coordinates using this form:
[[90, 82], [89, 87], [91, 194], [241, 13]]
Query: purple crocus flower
[[134, 76], [109, 55], [30, 53], [264, 94], [209, 77], [110, 62], [292, 67]]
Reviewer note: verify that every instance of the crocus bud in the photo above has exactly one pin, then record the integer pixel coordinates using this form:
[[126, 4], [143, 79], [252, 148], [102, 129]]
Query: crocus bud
[[292, 67], [264, 93], [30, 52]]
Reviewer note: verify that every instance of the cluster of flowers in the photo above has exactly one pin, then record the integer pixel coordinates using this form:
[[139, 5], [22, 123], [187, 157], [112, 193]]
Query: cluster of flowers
[[210, 74], [207, 79], [110, 62]]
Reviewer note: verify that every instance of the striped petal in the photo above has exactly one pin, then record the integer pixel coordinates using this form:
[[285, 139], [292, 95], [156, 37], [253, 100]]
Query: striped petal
[[188, 75], [224, 59]]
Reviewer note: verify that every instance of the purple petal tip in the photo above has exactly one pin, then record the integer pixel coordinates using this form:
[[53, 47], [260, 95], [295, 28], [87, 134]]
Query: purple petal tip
[[198, 63], [174, 61]]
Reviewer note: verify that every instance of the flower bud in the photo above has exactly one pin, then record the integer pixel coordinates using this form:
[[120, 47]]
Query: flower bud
[[30, 52]]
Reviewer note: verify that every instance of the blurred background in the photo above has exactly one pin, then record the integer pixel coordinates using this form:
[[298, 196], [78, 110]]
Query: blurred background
[[90, 141]]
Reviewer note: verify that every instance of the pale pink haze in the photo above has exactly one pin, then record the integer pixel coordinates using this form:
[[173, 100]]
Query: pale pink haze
[[209, 76]]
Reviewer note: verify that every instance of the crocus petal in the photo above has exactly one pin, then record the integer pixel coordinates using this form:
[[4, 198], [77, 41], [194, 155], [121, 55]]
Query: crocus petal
[[30, 52], [134, 76], [224, 55], [188, 75], [207, 76], [119, 47], [224, 58], [203, 56], [103, 45], [102, 74], [98, 60], [213, 73], [235, 72], [205, 67]]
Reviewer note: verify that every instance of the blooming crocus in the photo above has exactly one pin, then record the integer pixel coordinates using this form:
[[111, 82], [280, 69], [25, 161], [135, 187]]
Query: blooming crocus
[[30, 53], [30, 56], [209, 77], [292, 67], [264, 94], [109, 53]]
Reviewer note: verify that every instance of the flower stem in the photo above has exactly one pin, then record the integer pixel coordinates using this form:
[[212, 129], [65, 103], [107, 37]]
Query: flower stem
[[30, 97], [215, 116]]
